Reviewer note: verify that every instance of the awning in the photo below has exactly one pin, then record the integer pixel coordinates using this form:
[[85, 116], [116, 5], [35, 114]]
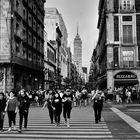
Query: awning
[[126, 82]]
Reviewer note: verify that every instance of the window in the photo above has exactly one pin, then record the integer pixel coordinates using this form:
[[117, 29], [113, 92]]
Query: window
[[116, 57], [17, 49], [17, 5], [126, 4], [116, 28], [128, 58], [17, 27], [24, 52], [127, 18], [127, 34]]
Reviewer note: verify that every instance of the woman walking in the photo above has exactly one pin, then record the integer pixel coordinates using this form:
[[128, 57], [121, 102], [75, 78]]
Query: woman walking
[[48, 102], [57, 107], [11, 108], [2, 109], [67, 106]]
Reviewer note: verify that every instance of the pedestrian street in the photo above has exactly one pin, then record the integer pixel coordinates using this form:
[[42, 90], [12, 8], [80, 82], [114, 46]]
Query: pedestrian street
[[82, 126]]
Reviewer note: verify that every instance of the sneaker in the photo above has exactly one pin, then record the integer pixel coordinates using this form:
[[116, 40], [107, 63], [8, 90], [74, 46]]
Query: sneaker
[[68, 125], [19, 131], [55, 124], [9, 129]]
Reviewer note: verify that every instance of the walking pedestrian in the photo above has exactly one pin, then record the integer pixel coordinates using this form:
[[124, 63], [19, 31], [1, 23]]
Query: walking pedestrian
[[67, 106], [129, 95], [98, 105], [2, 109], [48, 103], [11, 108], [24, 104], [57, 107], [83, 98]]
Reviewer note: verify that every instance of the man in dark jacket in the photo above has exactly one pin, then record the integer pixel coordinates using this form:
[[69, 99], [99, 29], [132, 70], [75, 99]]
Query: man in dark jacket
[[98, 99], [24, 104], [2, 108]]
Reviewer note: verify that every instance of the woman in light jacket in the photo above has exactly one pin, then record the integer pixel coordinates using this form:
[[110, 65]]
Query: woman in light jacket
[[11, 108]]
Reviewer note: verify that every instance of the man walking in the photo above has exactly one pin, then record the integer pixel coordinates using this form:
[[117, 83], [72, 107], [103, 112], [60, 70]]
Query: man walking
[[24, 104], [98, 105]]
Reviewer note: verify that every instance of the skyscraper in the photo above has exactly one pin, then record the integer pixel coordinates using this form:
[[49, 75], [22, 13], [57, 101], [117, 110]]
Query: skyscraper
[[78, 52]]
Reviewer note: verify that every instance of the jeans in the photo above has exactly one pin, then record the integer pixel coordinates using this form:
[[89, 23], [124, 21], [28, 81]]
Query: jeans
[[1, 120], [23, 114], [51, 113], [11, 117], [66, 113], [97, 112]]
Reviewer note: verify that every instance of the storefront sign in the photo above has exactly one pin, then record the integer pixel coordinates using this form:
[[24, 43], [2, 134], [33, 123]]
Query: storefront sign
[[125, 75]]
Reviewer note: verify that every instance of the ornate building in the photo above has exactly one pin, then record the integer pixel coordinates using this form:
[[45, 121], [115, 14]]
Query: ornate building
[[117, 57], [21, 44]]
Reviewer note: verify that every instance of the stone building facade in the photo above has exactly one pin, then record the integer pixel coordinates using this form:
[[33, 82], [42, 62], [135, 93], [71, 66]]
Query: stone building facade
[[117, 57], [21, 44]]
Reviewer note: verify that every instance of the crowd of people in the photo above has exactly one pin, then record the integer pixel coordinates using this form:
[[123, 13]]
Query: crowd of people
[[122, 94], [58, 102]]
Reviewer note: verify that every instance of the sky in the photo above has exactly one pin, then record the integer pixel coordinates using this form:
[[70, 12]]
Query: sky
[[85, 14]]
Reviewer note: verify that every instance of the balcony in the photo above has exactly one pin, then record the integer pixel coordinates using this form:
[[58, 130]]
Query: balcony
[[124, 65], [127, 8]]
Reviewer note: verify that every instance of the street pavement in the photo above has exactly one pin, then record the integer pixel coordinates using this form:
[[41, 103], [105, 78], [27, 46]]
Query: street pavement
[[119, 122]]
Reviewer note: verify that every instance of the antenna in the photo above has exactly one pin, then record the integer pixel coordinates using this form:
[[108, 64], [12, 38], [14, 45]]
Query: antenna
[[77, 29]]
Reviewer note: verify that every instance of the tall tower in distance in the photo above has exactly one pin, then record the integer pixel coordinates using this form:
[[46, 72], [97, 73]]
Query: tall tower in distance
[[78, 52]]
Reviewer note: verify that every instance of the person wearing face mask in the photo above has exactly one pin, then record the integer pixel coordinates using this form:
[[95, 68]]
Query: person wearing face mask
[[2, 108], [11, 108], [67, 106], [23, 104], [57, 107]]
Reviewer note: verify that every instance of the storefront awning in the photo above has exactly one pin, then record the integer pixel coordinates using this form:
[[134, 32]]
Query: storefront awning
[[126, 82]]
